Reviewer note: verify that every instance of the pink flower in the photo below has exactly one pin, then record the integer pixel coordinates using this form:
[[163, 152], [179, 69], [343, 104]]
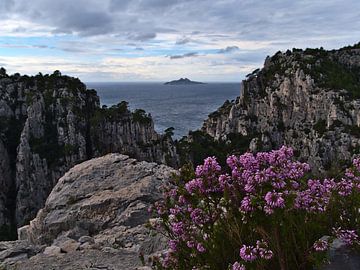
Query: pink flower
[[275, 199], [198, 216], [268, 210], [248, 253], [194, 185], [238, 266], [173, 244], [210, 166], [345, 187], [200, 248], [263, 250], [232, 161], [321, 245], [356, 163], [266, 254], [177, 228], [349, 237], [246, 205]]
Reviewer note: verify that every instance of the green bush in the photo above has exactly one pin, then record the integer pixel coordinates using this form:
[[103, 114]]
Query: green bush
[[140, 116], [320, 127]]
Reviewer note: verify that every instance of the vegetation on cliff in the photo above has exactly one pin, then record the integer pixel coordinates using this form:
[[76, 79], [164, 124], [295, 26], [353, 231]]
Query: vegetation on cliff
[[198, 145], [329, 69]]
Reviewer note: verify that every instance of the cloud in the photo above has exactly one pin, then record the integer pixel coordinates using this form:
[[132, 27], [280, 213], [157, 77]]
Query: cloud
[[229, 49], [229, 34], [6, 6], [142, 36], [19, 46], [183, 41], [179, 56], [41, 46]]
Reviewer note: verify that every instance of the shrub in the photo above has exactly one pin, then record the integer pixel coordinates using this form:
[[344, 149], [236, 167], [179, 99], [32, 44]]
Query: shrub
[[140, 116], [263, 213], [320, 127]]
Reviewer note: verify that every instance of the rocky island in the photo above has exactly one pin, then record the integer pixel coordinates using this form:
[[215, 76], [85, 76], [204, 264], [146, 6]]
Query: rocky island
[[182, 81]]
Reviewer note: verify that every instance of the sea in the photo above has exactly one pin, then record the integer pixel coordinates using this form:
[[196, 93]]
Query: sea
[[183, 107]]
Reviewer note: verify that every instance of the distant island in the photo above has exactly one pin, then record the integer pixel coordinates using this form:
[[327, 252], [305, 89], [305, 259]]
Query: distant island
[[183, 81]]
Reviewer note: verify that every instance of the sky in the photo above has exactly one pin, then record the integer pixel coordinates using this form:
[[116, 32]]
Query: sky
[[161, 40]]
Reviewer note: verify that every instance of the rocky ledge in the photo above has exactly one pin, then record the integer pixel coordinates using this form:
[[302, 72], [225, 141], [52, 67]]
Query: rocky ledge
[[95, 218]]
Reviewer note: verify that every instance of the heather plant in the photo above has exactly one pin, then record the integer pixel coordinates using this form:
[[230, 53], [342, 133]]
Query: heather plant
[[262, 212]]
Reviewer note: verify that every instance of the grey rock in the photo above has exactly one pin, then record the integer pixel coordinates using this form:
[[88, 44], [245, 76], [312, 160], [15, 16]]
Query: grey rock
[[84, 259], [14, 250], [5, 183], [342, 257], [52, 250], [86, 239], [96, 216], [69, 246]]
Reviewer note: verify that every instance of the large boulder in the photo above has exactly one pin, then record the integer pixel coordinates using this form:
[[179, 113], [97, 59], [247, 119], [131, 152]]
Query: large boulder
[[96, 216]]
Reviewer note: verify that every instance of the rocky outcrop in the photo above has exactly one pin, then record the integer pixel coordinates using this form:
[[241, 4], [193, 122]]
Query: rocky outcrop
[[309, 100], [49, 123], [95, 218]]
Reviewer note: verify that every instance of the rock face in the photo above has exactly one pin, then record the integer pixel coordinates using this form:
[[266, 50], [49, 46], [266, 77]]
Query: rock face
[[94, 218], [5, 182], [309, 100], [50, 123]]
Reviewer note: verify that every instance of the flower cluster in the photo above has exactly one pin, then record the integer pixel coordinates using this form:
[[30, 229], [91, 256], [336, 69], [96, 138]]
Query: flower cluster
[[251, 253], [321, 245], [259, 196], [349, 237]]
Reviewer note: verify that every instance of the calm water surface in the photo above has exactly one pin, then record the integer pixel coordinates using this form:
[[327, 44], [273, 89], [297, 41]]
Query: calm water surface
[[183, 107]]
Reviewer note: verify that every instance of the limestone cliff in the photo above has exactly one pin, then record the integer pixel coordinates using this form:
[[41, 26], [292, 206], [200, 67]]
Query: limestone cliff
[[307, 99], [49, 123]]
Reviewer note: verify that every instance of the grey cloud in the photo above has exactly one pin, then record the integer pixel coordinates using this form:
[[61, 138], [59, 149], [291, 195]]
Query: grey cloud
[[73, 50], [41, 46], [229, 49], [19, 30], [183, 41], [102, 26], [142, 36], [17, 46], [179, 56], [6, 5], [279, 19], [88, 23]]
